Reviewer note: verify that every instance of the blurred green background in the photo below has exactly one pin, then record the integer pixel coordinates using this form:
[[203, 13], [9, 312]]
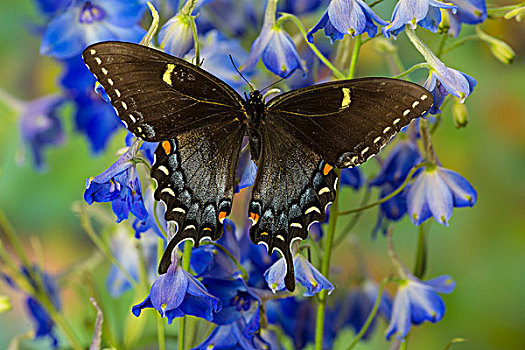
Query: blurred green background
[[483, 248]]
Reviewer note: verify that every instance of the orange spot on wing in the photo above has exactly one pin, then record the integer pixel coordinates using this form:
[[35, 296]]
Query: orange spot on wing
[[254, 217], [167, 147], [222, 216], [327, 168]]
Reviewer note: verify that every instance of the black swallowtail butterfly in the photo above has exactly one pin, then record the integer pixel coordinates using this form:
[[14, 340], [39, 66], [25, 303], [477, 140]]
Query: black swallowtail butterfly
[[296, 139]]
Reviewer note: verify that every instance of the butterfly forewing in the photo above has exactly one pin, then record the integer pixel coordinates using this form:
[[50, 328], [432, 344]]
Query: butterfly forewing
[[156, 95], [347, 122]]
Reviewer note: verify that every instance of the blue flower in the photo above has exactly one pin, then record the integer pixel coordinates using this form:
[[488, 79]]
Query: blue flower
[[93, 117], [51, 7], [469, 12], [44, 325], [296, 318], [125, 250], [40, 126], [236, 19], [176, 35], [147, 148], [416, 302], [358, 303], [435, 192], [210, 261], [425, 13], [216, 51], [237, 300], [351, 177], [120, 185], [342, 17], [300, 7], [394, 170], [305, 273], [276, 47], [86, 22], [177, 293], [141, 226], [443, 80]]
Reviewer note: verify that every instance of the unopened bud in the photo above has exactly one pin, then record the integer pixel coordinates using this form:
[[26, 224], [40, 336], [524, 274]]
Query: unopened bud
[[460, 114], [500, 49]]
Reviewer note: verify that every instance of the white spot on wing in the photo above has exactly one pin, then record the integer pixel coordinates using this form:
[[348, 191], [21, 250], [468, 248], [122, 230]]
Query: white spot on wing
[[397, 121], [415, 104], [105, 71], [423, 97], [164, 169], [311, 209], [296, 224], [98, 60], [406, 112], [92, 51], [124, 105], [377, 139], [168, 191], [387, 129]]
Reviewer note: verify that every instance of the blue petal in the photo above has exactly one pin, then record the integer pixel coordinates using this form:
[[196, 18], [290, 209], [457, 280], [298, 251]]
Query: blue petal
[[401, 315], [347, 16], [258, 46], [123, 13], [417, 205], [432, 20], [351, 177], [444, 284], [137, 309], [176, 36], [470, 11], [439, 198], [464, 194], [309, 277], [275, 275], [280, 55], [63, 38], [169, 289], [426, 305]]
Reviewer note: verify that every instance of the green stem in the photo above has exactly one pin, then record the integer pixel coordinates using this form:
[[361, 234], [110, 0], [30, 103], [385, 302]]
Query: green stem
[[387, 198], [196, 41], [186, 266], [355, 219], [372, 314], [420, 265], [426, 140], [188, 7], [157, 220], [325, 267], [493, 10], [355, 55], [13, 240], [442, 45], [460, 42], [412, 69], [337, 73]]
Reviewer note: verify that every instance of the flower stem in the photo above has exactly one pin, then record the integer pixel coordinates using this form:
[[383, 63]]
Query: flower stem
[[372, 314], [337, 73], [325, 267], [411, 69], [442, 45], [387, 198], [355, 55], [420, 265], [232, 258], [460, 42], [186, 266]]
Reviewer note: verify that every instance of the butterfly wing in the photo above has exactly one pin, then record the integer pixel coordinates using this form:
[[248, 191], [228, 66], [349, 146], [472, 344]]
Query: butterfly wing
[[196, 117], [156, 95], [349, 121], [310, 131]]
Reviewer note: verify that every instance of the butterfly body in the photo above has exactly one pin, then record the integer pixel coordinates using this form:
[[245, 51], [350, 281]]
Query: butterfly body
[[296, 139]]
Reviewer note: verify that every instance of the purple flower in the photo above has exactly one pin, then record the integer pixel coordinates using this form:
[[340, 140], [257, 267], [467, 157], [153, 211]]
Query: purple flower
[[443, 80], [469, 12], [351, 177], [177, 293], [425, 13], [435, 192], [305, 273], [416, 302], [342, 17], [300, 7], [394, 170], [86, 22], [120, 185], [40, 126], [141, 226], [276, 47]]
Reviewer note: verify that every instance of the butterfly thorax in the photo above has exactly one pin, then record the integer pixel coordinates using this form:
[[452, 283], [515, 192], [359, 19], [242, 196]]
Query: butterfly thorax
[[256, 112]]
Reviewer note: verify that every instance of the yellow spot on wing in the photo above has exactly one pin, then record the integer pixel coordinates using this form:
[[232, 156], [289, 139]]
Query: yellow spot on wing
[[346, 98], [167, 74]]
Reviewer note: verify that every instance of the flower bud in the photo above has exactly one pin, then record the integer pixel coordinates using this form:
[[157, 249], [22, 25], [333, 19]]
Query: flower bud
[[500, 49], [176, 36], [460, 114]]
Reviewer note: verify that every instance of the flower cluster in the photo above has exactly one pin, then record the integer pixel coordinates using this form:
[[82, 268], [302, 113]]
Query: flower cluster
[[236, 286]]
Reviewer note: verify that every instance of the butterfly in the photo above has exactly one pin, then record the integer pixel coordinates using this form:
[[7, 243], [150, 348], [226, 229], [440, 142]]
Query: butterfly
[[297, 140]]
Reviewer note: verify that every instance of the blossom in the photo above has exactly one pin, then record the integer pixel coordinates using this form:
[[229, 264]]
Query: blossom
[[93, 117], [126, 251], [425, 13], [351, 177], [40, 126], [416, 302], [177, 293], [120, 185], [435, 192], [86, 22], [469, 12], [359, 302], [150, 223], [176, 35], [300, 7], [450, 81], [305, 273], [276, 47], [342, 17]]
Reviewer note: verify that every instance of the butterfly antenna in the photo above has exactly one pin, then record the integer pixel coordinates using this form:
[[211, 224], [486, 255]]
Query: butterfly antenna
[[278, 81], [242, 76]]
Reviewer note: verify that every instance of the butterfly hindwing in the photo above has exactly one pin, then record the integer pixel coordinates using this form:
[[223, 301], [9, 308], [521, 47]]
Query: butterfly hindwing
[[156, 95], [347, 122]]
